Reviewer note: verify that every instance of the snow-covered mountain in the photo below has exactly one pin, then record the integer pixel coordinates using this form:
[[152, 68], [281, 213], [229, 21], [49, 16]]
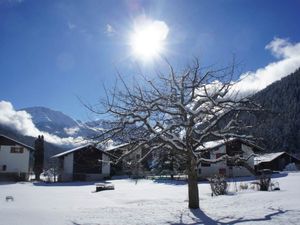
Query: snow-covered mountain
[[56, 122]]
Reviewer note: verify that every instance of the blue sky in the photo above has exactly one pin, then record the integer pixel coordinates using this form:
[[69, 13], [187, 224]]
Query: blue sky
[[53, 51]]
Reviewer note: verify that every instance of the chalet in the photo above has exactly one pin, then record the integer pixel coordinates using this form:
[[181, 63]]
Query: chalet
[[214, 149], [84, 163], [15, 159], [274, 161], [129, 165]]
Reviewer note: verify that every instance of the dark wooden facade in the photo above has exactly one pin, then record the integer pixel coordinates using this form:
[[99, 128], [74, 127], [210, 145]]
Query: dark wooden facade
[[278, 163], [84, 163], [87, 161]]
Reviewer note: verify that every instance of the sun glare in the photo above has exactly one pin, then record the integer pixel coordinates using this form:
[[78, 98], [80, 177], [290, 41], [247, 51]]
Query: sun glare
[[148, 39]]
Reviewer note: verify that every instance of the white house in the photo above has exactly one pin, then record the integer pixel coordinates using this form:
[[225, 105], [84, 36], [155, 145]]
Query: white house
[[15, 158], [84, 163], [215, 149]]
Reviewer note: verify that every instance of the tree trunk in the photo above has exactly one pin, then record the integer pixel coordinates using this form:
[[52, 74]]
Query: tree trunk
[[193, 184], [37, 176]]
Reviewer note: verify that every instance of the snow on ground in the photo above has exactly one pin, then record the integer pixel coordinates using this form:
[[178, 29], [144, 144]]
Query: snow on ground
[[146, 202]]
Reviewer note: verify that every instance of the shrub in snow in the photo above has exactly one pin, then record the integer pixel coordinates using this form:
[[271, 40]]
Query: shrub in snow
[[264, 182], [275, 186], [243, 186], [291, 167], [218, 185], [50, 175]]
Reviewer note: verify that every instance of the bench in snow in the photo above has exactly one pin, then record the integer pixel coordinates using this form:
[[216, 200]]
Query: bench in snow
[[104, 186]]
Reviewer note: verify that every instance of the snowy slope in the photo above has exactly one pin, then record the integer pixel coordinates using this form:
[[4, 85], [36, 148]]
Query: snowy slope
[[56, 122], [44, 115], [146, 202]]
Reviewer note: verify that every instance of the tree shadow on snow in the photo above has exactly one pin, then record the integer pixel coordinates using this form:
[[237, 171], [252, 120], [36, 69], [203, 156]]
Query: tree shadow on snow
[[7, 182], [75, 223], [253, 178], [279, 175], [199, 217], [63, 184], [170, 182]]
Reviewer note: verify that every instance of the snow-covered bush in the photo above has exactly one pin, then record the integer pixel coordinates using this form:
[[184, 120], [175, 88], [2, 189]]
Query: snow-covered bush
[[264, 182], [243, 186], [218, 185], [50, 175]]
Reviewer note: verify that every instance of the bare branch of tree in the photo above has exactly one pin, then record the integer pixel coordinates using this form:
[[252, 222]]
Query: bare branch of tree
[[178, 112]]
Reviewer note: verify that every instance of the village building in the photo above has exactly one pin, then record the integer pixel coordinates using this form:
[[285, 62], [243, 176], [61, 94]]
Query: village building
[[83, 163], [15, 159], [213, 150], [277, 161], [129, 165]]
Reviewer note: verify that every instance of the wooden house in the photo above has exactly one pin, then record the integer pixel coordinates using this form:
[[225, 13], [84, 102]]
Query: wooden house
[[83, 163], [275, 161], [129, 165]]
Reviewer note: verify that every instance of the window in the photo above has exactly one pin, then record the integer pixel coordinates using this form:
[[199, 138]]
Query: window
[[233, 148], [17, 150], [222, 171], [230, 162], [205, 155], [4, 168]]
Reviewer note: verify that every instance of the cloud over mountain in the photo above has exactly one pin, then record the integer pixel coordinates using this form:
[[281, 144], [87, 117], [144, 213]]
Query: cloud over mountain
[[21, 121], [288, 55]]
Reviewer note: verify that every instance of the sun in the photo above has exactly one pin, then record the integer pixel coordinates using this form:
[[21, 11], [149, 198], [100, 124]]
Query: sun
[[148, 39]]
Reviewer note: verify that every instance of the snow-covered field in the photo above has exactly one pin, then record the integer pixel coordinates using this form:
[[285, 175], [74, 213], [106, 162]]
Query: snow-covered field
[[146, 202]]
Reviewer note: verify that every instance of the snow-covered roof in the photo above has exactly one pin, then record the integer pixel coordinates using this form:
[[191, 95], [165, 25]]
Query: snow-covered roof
[[70, 151], [214, 144], [114, 147], [267, 157], [77, 149], [17, 142]]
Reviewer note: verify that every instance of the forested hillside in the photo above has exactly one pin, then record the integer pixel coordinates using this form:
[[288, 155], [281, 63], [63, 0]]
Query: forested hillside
[[280, 128]]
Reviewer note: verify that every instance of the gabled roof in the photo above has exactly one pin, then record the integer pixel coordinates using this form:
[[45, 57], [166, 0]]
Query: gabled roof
[[268, 157], [17, 142], [115, 147], [217, 143], [80, 148], [211, 144]]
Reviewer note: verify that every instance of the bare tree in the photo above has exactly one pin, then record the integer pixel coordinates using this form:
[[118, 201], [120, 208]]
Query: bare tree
[[178, 112]]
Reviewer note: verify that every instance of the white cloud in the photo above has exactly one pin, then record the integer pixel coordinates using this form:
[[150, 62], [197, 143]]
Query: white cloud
[[21, 121], [282, 48], [71, 130], [110, 30], [71, 26], [288, 55]]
